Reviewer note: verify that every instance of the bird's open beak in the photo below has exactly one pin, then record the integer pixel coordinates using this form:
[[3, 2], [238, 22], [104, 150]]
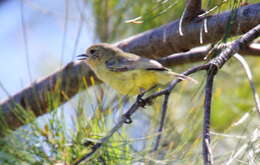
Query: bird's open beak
[[82, 57]]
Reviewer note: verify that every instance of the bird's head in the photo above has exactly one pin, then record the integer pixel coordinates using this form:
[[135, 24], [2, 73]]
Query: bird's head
[[99, 53]]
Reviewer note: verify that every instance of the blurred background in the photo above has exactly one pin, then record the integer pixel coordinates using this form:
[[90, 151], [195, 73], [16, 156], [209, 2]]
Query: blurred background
[[37, 37]]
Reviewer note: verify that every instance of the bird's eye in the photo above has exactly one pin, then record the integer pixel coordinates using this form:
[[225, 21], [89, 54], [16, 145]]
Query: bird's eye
[[92, 51]]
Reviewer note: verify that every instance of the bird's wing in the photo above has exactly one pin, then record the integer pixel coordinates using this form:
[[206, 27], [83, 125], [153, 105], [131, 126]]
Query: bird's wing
[[131, 62]]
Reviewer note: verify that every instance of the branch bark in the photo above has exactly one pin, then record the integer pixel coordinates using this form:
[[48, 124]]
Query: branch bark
[[198, 54], [166, 40], [155, 43], [64, 84]]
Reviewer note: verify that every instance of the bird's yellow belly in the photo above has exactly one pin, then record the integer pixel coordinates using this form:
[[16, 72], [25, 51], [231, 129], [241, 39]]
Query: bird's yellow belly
[[130, 82]]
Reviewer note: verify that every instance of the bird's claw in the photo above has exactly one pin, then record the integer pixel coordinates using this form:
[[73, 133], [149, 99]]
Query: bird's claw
[[140, 100]]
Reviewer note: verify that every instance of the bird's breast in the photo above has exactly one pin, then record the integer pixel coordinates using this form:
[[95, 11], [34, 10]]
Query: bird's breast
[[128, 82]]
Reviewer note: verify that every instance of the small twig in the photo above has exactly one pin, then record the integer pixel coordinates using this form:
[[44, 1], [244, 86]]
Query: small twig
[[166, 98], [241, 120], [207, 155], [162, 121], [234, 156], [26, 41], [207, 13], [250, 79], [227, 135]]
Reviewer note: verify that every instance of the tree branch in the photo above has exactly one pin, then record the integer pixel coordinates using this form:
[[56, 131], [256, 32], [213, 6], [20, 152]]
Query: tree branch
[[165, 40], [156, 43], [250, 79], [198, 54], [216, 64], [207, 155], [162, 121]]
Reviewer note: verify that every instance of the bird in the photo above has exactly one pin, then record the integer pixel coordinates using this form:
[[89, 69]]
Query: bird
[[127, 73]]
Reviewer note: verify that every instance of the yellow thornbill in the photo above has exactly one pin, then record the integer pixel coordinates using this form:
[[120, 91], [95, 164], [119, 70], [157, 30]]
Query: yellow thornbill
[[128, 73]]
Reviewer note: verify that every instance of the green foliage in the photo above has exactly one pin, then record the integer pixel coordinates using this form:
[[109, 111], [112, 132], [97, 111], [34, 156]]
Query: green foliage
[[59, 137], [111, 16]]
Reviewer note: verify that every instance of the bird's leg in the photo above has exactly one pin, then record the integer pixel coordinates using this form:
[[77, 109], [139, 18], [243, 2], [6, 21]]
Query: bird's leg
[[139, 98], [140, 101]]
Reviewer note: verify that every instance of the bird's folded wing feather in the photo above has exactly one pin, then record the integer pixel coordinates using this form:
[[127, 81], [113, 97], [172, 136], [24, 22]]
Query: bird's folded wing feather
[[133, 62]]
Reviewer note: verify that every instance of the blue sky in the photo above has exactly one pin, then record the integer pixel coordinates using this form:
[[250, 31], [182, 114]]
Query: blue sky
[[44, 26]]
